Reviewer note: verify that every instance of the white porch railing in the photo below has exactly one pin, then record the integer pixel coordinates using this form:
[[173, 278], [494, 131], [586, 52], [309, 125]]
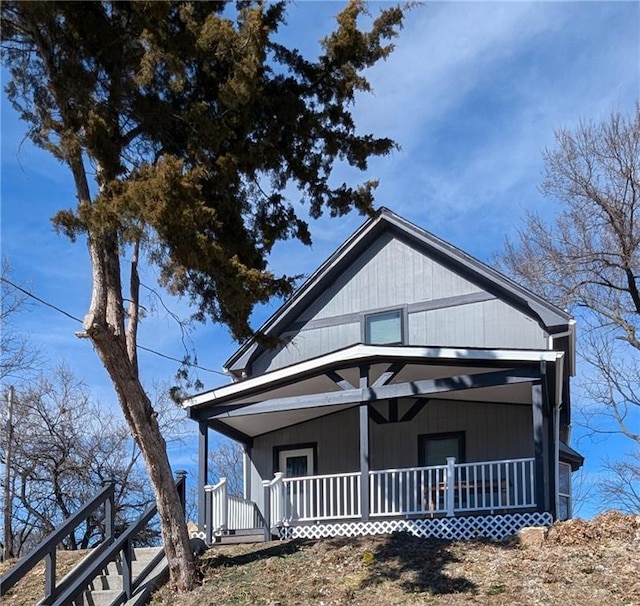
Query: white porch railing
[[445, 489], [454, 488], [229, 512], [492, 485], [407, 491], [327, 497]]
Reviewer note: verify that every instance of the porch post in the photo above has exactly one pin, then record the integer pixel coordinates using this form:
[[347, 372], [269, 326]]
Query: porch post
[[364, 462], [364, 448], [203, 472], [552, 463], [246, 472], [538, 444]]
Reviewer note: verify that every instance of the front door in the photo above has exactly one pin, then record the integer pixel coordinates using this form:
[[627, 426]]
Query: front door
[[296, 463]]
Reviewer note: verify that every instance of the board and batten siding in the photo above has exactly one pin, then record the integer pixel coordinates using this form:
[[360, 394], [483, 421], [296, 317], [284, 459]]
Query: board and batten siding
[[336, 439], [492, 432], [443, 308]]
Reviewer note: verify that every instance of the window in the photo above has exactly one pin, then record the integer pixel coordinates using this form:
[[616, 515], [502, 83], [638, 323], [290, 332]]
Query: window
[[564, 492], [383, 328], [295, 461], [433, 449]]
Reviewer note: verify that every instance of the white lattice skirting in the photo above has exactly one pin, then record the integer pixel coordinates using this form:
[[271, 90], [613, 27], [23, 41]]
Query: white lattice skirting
[[496, 527]]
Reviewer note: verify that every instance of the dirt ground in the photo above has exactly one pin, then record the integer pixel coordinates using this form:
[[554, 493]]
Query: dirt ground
[[580, 563]]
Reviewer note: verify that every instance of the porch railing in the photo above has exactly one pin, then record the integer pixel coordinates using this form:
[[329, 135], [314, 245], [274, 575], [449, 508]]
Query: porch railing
[[454, 488], [449, 489], [492, 485], [226, 512], [326, 497], [407, 491]]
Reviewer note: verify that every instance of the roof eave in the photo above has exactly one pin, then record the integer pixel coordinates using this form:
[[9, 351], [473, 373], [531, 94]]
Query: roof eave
[[359, 353]]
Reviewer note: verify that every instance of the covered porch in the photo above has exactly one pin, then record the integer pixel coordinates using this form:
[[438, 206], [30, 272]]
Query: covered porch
[[364, 403], [488, 487]]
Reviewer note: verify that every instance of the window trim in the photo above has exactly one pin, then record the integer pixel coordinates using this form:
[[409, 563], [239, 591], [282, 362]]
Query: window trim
[[277, 450], [447, 435], [402, 315], [566, 495]]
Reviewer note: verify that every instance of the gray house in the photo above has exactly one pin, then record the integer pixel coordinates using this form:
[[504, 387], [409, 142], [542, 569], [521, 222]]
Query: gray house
[[414, 388]]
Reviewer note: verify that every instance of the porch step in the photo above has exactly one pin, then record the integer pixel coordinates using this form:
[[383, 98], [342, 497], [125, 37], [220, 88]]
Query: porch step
[[247, 535]]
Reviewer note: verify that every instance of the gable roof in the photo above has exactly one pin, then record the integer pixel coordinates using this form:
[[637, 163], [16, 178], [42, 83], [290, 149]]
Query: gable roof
[[550, 317]]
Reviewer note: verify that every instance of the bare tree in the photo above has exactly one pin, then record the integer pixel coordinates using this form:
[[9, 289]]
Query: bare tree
[[588, 259], [621, 485], [66, 446], [18, 355], [226, 461]]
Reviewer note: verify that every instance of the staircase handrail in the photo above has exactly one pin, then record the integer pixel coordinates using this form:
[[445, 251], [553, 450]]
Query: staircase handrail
[[47, 547], [81, 577]]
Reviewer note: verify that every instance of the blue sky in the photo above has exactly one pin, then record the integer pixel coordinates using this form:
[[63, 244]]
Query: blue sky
[[472, 94]]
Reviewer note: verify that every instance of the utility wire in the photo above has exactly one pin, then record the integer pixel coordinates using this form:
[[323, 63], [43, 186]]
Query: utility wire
[[72, 317], [39, 300]]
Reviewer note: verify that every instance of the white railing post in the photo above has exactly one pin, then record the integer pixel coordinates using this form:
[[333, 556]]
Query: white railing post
[[224, 505], [208, 515], [450, 484], [273, 501], [266, 508]]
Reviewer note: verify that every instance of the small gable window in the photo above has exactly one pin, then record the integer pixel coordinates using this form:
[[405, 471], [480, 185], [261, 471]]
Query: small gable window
[[383, 328]]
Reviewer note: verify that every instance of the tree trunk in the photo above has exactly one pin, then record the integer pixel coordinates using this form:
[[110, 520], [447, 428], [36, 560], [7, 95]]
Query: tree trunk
[[104, 325]]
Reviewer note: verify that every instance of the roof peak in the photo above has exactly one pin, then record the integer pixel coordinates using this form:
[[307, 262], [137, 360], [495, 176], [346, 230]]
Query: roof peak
[[546, 313]]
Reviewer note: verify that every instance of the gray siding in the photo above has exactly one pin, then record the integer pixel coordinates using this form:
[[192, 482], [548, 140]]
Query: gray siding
[[443, 308], [485, 324], [336, 437], [492, 431]]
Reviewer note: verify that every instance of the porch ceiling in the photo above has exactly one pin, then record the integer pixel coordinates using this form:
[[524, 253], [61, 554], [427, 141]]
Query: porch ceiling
[[331, 383]]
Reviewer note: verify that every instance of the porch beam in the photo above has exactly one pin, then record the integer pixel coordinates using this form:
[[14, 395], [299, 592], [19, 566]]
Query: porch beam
[[389, 374], [338, 380], [371, 394], [393, 410], [538, 444], [203, 471], [416, 407], [230, 432], [550, 439], [376, 417], [364, 462]]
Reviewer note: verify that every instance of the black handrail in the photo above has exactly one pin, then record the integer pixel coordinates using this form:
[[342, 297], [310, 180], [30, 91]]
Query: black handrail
[[47, 548], [81, 576], [79, 579]]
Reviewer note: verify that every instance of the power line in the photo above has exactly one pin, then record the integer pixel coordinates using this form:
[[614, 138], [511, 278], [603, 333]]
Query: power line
[[51, 305], [72, 317]]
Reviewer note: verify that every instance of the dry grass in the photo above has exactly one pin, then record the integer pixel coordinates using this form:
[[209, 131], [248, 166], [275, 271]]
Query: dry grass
[[581, 563], [30, 590]]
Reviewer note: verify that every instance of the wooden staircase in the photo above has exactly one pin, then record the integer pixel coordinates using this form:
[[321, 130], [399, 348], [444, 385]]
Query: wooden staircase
[[113, 572], [106, 588]]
